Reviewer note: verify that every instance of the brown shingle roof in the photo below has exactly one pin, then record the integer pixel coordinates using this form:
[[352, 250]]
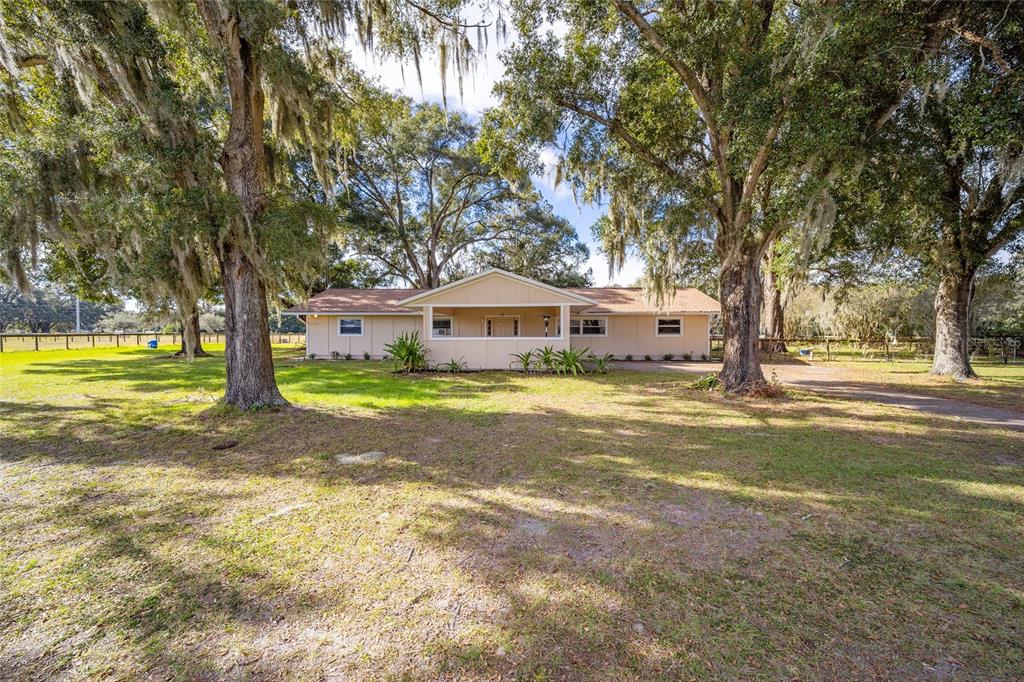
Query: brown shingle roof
[[356, 301], [624, 300], [610, 301]]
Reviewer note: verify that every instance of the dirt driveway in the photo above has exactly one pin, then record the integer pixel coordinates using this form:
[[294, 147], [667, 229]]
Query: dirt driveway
[[834, 381]]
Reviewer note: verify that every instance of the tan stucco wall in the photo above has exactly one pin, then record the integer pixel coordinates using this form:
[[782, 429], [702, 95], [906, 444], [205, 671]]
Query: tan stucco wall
[[635, 335], [322, 334], [497, 289]]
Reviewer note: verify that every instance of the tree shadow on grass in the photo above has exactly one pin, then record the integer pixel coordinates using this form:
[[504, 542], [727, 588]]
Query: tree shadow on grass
[[653, 539], [135, 598]]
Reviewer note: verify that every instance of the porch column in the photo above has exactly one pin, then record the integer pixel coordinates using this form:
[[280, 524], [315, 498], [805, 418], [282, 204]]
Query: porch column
[[428, 322], [563, 323]]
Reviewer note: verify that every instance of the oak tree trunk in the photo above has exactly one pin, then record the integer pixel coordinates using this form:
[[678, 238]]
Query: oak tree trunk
[[250, 365], [740, 293], [191, 335], [952, 324], [774, 314], [247, 354]]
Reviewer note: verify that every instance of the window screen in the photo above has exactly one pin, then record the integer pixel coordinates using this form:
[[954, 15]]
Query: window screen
[[672, 327], [442, 326], [594, 326]]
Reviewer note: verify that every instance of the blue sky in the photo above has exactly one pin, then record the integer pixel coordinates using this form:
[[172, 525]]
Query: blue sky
[[476, 99]]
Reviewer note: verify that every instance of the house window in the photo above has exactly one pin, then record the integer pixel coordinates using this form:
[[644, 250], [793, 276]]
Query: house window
[[350, 326], [588, 326], [670, 326], [442, 326]]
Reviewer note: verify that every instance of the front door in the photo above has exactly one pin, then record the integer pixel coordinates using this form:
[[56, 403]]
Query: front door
[[502, 326]]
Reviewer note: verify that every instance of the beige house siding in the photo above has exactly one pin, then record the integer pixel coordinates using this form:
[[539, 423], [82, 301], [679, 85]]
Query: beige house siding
[[499, 296], [322, 336], [497, 289], [627, 335], [487, 354], [636, 335]]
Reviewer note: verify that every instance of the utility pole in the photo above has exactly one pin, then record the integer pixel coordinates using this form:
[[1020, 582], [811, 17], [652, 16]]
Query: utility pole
[[78, 315]]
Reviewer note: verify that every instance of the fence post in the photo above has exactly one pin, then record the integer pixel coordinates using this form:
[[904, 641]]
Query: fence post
[[67, 342], [138, 339], [117, 340], [1, 343], [35, 337]]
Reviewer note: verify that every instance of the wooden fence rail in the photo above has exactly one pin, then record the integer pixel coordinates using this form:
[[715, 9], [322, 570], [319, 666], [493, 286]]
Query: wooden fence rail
[[1008, 349], [69, 340]]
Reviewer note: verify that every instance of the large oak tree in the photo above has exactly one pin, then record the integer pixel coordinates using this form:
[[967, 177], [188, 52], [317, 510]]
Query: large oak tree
[[433, 208], [949, 168], [260, 62], [696, 104]]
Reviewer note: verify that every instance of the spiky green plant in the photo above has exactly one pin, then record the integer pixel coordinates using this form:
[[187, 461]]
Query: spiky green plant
[[524, 360], [570, 361], [601, 363], [408, 353], [453, 366], [547, 359]]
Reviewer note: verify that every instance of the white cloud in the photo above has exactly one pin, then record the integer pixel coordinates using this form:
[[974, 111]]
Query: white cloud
[[628, 276]]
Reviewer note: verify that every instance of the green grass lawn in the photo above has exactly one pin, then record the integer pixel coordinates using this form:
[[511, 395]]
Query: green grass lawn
[[613, 527]]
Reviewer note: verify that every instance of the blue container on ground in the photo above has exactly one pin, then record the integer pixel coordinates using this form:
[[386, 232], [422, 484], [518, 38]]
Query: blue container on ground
[[152, 343]]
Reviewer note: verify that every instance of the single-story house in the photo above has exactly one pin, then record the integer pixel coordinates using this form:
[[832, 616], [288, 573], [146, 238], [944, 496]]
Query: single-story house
[[486, 318]]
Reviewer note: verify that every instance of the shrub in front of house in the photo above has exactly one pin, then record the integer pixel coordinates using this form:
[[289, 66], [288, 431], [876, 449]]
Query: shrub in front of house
[[629, 357], [408, 352], [546, 359], [348, 356], [669, 356], [687, 356], [366, 356], [335, 355], [647, 358], [601, 363], [570, 361], [453, 366], [524, 361]]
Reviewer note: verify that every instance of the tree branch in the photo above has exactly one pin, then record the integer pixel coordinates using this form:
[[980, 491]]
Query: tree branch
[[447, 22], [617, 129], [985, 43], [686, 73]]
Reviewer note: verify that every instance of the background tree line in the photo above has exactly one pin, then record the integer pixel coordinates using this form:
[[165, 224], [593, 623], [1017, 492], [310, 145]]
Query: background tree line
[[175, 151]]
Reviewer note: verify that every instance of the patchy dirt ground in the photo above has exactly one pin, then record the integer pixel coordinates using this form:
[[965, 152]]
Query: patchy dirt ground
[[615, 527], [994, 401]]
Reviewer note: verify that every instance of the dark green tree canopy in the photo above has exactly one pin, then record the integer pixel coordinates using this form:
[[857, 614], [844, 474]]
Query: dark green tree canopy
[[431, 207]]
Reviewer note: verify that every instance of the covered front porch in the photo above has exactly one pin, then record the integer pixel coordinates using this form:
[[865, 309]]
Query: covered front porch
[[487, 337], [484, 321]]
